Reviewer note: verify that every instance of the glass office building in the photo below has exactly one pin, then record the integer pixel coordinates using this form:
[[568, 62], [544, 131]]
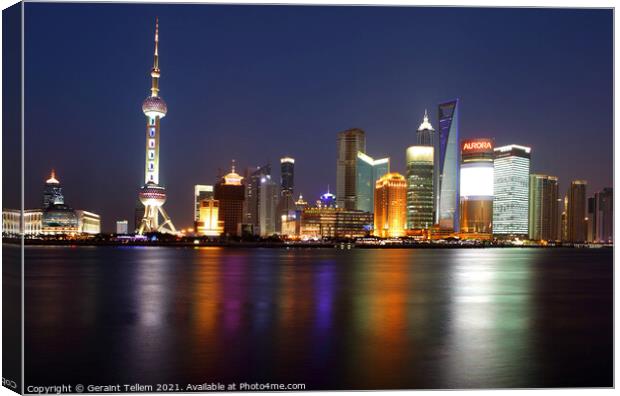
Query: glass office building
[[447, 179], [543, 208], [420, 198], [369, 171], [511, 190]]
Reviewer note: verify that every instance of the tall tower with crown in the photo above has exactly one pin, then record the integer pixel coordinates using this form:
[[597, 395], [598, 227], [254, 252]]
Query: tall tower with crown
[[152, 195]]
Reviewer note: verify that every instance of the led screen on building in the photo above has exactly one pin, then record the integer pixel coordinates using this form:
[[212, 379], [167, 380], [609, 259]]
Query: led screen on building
[[477, 180]]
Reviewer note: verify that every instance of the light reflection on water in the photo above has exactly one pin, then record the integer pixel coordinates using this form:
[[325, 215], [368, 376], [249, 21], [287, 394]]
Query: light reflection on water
[[356, 319]]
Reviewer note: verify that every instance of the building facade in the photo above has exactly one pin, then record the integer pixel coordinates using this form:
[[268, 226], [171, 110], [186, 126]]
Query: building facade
[[332, 222], [447, 166], [476, 188], [369, 170], [88, 222], [230, 192], [420, 176], [201, 192], [349, 142], [390, 214], [576, 214], [209, 223], [286, 202], [268, 201], [251, 204], [511, 190], [122, 227], [543, 223], [603, 219]]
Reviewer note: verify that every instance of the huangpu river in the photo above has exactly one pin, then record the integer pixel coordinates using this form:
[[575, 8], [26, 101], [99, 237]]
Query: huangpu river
[[325, 318]]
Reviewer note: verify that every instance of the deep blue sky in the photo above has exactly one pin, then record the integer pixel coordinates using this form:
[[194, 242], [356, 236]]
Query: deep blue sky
[[255, 83]]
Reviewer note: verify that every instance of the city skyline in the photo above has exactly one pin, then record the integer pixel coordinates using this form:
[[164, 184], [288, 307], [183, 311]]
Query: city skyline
[[195, 146]]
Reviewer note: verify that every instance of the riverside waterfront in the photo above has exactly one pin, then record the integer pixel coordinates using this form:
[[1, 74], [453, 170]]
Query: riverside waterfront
[[326, 318]]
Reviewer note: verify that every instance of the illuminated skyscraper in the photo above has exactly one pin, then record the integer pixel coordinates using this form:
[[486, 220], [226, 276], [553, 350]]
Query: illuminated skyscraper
[[511, 190], [476, 190], [253, 177], [52, 192], [287, 175], [350, 142], [576, 215], [152, 195], [390, 214], [447, 179], [369, 170], [201, 192], [426, 133], [543, 208], [286, 202], [420, 201], [268, 199], [230, 193]]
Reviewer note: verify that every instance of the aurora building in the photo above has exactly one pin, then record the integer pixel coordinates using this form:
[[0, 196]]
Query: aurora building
[[511, 190], [476, 188], [447, 166]]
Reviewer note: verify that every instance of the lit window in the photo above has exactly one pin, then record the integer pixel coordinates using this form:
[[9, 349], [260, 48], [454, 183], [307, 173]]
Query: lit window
[[151, 154], [152, 132], [152, 143], [151, 165], [153, 121]]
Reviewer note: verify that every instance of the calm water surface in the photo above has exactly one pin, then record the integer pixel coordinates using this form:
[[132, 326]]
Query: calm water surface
[[332, 319]]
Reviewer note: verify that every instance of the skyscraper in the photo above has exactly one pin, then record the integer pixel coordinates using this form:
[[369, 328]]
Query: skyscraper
[[476, 188], [543, 208], [201, 192], [576, 216], [604, 215], [286, 203], [267, 206], [390, 214], [420, 201], [252, 196], [447, 167], [52, 192], [287, 175], [511, 190], [152, 195], [230, 193], [369, 170], [426, 133], [350, 142]]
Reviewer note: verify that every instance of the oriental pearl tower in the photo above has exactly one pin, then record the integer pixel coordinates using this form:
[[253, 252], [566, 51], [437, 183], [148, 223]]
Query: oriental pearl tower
[[152, 195]]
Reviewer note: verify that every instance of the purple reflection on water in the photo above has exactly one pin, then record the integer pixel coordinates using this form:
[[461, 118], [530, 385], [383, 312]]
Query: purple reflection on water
[[233, 274], [324, 293]]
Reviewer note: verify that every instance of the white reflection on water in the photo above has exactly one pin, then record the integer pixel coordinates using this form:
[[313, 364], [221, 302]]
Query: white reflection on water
[[489, 314]]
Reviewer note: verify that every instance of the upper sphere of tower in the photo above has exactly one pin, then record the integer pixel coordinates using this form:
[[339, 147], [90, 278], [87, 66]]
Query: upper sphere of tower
[[154, 106]]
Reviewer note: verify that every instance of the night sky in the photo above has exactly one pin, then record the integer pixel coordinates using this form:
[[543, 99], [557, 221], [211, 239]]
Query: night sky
[[256, 83]]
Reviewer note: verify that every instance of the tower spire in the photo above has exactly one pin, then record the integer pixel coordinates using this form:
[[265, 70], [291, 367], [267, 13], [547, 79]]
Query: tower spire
[[155, 72]]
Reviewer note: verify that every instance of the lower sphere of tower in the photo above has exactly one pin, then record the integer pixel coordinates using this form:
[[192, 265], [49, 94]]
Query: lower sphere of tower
[[152, 195]]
